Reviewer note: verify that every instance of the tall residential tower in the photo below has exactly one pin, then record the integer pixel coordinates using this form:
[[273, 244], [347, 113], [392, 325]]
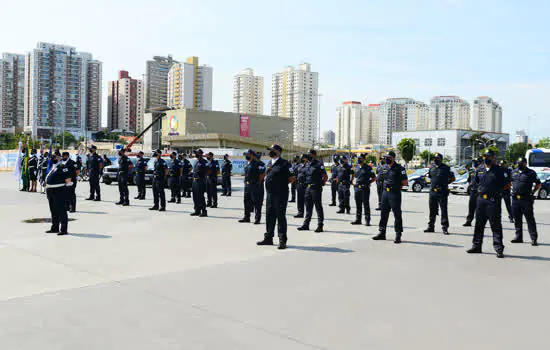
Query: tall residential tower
[[125, 104], [248, 92], [12, 92], [156, 82], [487, 115], [190, 85]]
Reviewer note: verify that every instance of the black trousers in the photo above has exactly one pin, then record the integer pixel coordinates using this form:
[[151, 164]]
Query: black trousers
[[253, 201], [508, 201], [343, 196], [391, 201], [472, 204], [123, 188], [379, 191], [489, 210], [226, 184], [276, 204], [334, 190], [95, 191], [293, 187], [199, 187], [174, 185], [362, 201], [314, 198], [524, 207], [212, 190], [140, 183], [159, 197], [438, 200], [72, 196], [301, 196], [186, 184], [56, 200]]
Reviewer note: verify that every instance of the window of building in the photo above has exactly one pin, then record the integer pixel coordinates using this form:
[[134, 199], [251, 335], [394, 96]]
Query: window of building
[[441, 141], [428, 142]]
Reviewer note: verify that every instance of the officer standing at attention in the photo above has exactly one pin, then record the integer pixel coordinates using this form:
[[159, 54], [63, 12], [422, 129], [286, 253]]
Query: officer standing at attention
[[160, 171], [261, 166], [227, 169], [174, 178], [252, 181], [106, 161], [124, 168], [70, 198], [33, 170], [507, 192], [200, 172], [294, 168], [523, 180], [472, 201], [57, 181], [394, 177], [44, 168], [95, 167], [345, 178], [333, 180], [363, 179], [491, 180], [441, 176], [301, 186], [316, 178], [141, 168], [380, 182], [278, 176], [212, 181], [186, 176]]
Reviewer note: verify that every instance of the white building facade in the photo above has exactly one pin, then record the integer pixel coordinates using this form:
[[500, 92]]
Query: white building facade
[[190, 85], [12, 92], [357, 124], [125, 104], [449, 112], [248, 93], [487, 115], [392, 117], [295, 94]]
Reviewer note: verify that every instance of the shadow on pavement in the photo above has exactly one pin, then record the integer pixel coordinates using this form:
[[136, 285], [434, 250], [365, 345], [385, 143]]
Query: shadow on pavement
[[321, 249], [434, 244], [90, 212], [89, 235], [532, 257]]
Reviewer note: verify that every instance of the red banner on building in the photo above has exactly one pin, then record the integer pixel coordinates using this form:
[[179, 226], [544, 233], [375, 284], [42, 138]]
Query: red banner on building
[[245, 126]]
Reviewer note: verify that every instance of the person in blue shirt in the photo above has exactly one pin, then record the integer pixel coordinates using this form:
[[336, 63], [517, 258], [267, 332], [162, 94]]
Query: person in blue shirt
[[227, 169], [160, 171], [174, 179], [364, 176], [200, 172], [212, 181], [57, 181]]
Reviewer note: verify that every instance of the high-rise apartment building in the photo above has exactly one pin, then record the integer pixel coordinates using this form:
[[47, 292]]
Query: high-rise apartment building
[[417, 116], [487, 115], [328, 138], [521, 136], [190, 85], [125, 104], [12, 92], [372, 123], [357, 124], [248, 93], [449, 112], [393, 113], [62, 91], [295, 94], [156, 82]]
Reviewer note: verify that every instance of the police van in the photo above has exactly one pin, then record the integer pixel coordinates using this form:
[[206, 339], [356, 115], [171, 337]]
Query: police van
[[538, 159]]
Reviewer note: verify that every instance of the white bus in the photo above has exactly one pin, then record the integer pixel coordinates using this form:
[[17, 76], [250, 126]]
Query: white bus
[[538, 159]]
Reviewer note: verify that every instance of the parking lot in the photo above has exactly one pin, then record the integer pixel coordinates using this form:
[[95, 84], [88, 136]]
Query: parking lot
[[126, 278]]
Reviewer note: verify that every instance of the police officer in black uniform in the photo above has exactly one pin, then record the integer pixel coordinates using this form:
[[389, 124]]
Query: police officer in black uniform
[[106, 161], [253, 177], [277, 178], [57, 180], [316, 177], [141, 168], [212, 181], [333, 180], [363, 179], [70, 198], [174, 178], [124, 168], [186, 176], [200, 172], [95, 167], [227, 169], [380, 182], [345, 177], [294, 169], [33, 170], [160, 171], [472, 201], [441, 176], [44, 166], [523, 180], [301, 186], [491, 180], [262, 177], [507, 192], [394, 177]]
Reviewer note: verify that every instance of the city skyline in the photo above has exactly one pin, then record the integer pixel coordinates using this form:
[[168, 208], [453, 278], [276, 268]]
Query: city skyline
[[477, 59]]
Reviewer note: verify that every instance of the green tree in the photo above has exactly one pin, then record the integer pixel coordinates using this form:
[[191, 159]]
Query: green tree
[[371, 159], [493, 148], [544, 143], [515, 150], [407, 148], [69, 139], [100, 135], [426, 156]]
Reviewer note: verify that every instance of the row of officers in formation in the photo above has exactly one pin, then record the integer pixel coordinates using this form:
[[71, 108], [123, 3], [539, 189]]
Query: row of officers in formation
[[491, 184]]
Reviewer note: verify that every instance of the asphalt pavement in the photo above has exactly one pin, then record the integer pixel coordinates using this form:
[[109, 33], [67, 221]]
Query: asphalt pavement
[[126, 278]]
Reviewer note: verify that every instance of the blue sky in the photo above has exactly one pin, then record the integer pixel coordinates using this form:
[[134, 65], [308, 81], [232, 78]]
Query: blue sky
[[363, 50]]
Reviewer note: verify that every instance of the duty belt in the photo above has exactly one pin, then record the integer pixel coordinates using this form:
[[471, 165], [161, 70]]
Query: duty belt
[[361, 186], [56, 185], [524, 196]]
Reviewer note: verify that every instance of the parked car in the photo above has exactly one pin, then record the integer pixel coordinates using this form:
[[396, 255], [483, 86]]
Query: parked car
[[544, 191], [419, 180], [460, 185], [110, 172]]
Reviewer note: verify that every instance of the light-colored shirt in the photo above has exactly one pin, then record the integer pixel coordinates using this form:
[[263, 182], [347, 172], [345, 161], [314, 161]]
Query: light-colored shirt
[[274, 160]]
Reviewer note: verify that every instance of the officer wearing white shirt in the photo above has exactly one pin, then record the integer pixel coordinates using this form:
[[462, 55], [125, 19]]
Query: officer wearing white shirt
[[57, 181]]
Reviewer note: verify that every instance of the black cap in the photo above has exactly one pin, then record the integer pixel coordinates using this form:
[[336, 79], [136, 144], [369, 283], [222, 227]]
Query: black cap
[[275, 147], [226, 155], [65, 154], [174, 153], [522, 160], [489, 153], [93, 147], [33, 151], [140, 152], [199, 151], [344, 158], [391, 154], [438, 155], [57, 153], [363, 155], [122, 150], [211, 154], [250, 151], [335, 158], [312, 151]]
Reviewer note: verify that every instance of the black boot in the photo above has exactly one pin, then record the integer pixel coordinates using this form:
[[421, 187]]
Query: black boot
[[126, 204], [348, 211], [380, 237], [517, 240], [332, 204], [500, 255], [303, 228], [467, 224], [162, 209], [445, 231], [195, 214], [397, 238], [154, 208], [319, 228], [266, 241], [173, 200], [534, 243], [214, 206], [429, 229], [474, 250], [282, 245], [244, 220], [178, 201], [341, 211], [203, 214], [356, 222], [368, 222], [298, 216]]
